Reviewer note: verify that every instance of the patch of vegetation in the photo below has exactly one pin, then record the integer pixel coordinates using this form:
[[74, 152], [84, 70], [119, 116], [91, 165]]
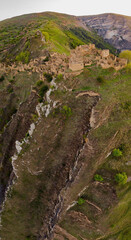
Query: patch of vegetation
[[12, 81], [39, 83], [121, 178], [91, 37], [116, 152], [119, 217], [46, 59], [27, 135], [40, 100], [10, 89], [48, 77], [23, 57], [59, 78], [66, 111], [98, 178], [43, 90], [34, 117], [57, 37], [100, 79], [2, 78], [52, 87], [73, 40], [128, 67], [80, 201], [126, 54]]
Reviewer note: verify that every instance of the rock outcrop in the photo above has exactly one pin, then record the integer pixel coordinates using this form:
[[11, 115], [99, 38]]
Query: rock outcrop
[[115, 29]]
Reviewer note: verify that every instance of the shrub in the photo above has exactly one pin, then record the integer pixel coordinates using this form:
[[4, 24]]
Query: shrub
[[48, 77], [34, 117], [81, 201], [11, 81], [27, 135], [59, 77], [40, 100], [43, 90], [66, 111], [98, 178], [100, 79], [39, 83], [10, 89], [121, 178], [122, 147], [116, 152], [2, 78], [46, 59]]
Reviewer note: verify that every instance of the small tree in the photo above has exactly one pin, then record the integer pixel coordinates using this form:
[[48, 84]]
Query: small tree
[[66, 111], [59, 78], [39, 83], [100, 79], [98, 178], [43, 90], [121, 178], [81, 201], [2, 78], [117, 152], [48, 77]]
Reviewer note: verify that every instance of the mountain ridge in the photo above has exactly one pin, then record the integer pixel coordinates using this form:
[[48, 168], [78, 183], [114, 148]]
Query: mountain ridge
[[114, 28], [36, 33]]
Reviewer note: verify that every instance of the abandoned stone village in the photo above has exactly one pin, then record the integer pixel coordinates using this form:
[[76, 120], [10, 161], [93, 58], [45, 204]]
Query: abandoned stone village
[[82, 56]]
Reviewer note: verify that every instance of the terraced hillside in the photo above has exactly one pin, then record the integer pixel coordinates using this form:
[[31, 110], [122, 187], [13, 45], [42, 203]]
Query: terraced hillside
[[65, 133]]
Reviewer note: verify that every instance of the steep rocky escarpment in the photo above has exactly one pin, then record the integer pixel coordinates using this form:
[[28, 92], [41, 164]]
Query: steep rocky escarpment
[[15, 130], [61, 156], [115, 29], [49, 163]]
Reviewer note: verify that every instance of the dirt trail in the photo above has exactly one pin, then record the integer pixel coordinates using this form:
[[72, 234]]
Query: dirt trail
[[89, 93]]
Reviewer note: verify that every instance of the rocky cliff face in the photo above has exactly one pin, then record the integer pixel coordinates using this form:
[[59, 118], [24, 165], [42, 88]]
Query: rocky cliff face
[[115, 29]]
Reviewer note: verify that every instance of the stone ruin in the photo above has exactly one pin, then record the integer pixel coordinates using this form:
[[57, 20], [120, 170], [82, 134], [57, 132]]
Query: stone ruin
[[72, 65], [86, 55]]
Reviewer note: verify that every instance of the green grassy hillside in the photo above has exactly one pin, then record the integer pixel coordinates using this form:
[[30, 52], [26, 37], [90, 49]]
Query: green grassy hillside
[[106, 203], [27, 36]]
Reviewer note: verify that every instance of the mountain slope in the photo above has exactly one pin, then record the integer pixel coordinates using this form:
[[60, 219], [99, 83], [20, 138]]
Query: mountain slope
[[65, 117], [114, 28], [29, 36], [55, 154]]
